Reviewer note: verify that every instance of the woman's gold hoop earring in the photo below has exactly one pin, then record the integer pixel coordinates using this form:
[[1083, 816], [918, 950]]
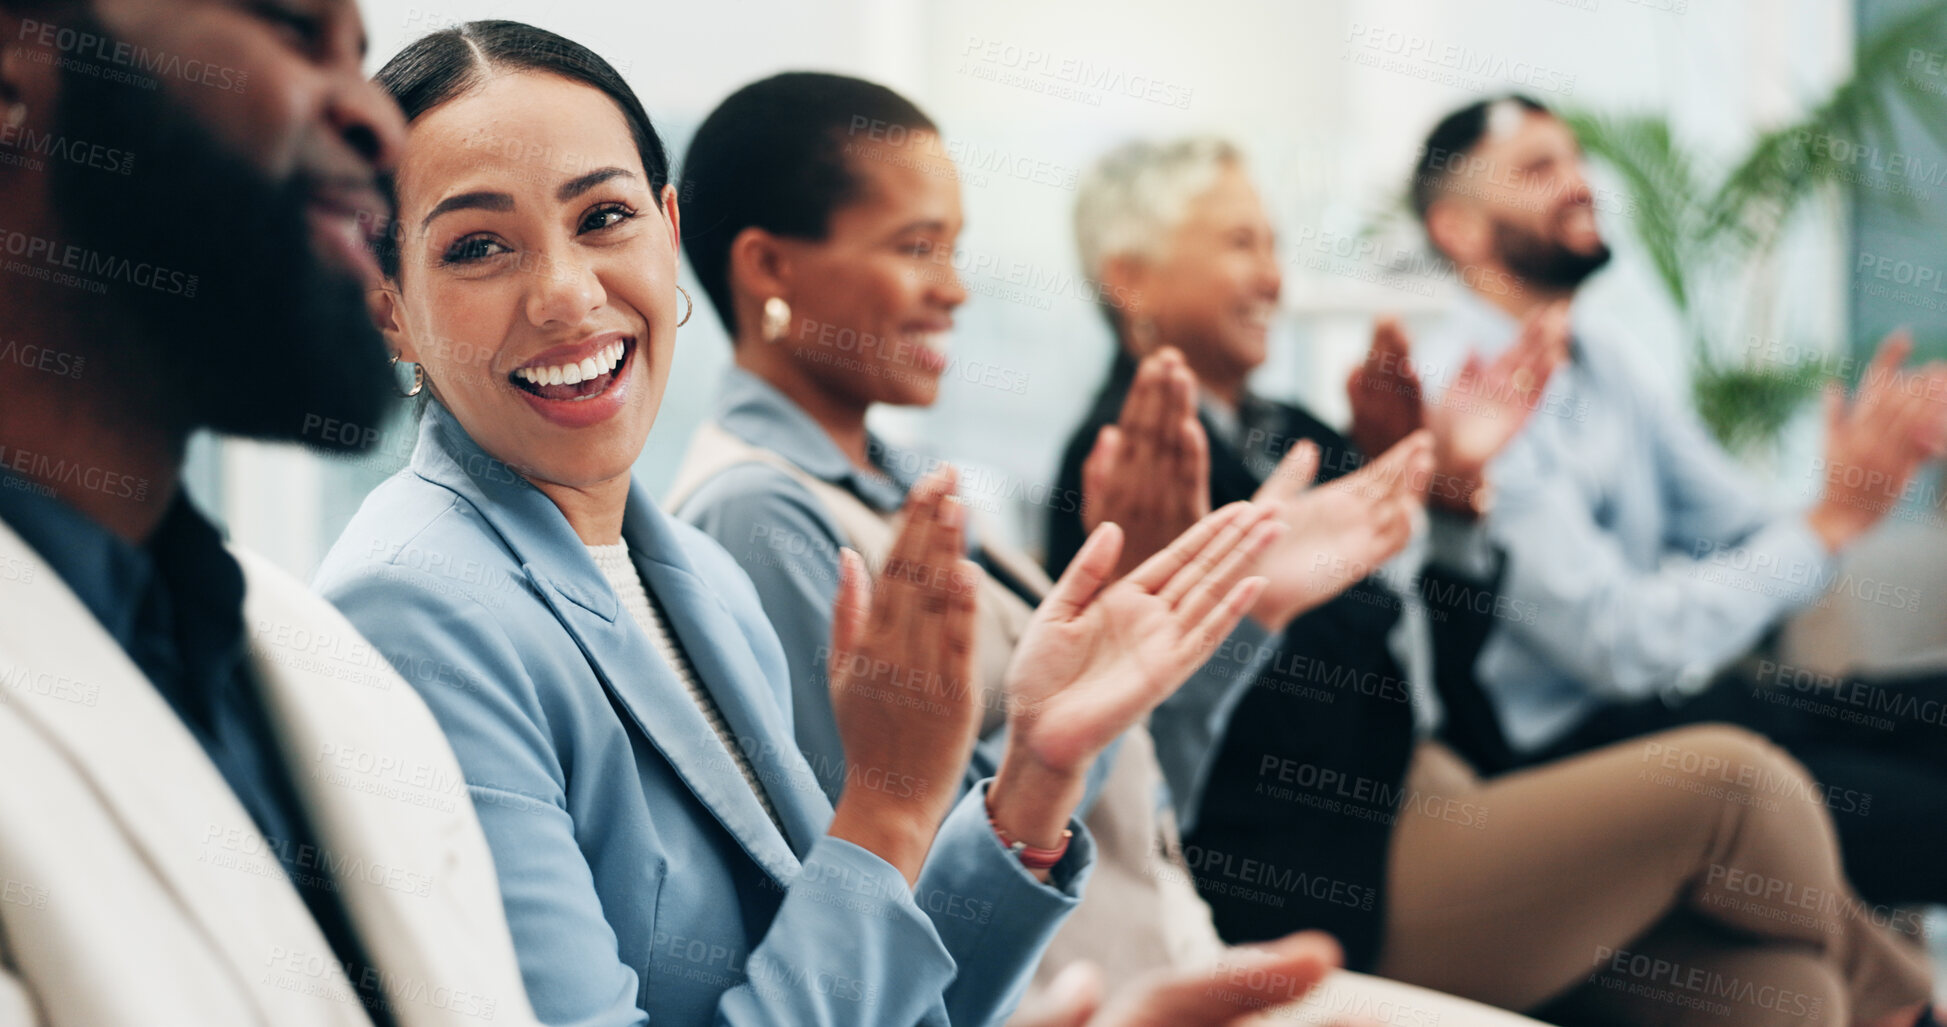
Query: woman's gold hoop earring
[[777, 319], [689, 306], [418, 378]]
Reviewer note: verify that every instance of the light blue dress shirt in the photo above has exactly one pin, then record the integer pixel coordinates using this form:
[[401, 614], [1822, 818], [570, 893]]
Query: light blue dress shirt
[[788, 543], [642, 879], [1640, 558]]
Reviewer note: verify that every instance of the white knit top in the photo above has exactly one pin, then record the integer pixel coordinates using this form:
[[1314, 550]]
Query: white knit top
[[620, 571]]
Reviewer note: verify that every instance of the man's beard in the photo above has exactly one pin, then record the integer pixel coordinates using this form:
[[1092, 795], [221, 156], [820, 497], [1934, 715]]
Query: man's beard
[[1543, 262], [274, 343]]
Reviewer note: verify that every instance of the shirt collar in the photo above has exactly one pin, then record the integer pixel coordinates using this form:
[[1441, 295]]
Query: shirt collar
[[1223, 420], [536, 533], [1489, 328], [174, 603], [757, 412], [103, 570], [1230, 426]]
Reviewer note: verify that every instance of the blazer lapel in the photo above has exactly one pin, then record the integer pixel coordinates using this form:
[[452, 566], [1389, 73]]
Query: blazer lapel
[[722, 658], [647, 691], [155, 779], [387, 803], [642, 686]]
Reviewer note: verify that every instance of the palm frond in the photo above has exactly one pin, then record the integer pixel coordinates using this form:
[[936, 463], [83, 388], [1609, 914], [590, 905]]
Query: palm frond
[[1747, 406], [1787, 165]]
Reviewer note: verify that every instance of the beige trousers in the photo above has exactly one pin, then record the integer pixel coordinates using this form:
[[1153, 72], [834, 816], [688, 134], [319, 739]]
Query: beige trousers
[[1686, 877]]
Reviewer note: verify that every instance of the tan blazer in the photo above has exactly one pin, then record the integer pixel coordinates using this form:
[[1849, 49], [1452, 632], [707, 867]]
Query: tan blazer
[[134, 887]]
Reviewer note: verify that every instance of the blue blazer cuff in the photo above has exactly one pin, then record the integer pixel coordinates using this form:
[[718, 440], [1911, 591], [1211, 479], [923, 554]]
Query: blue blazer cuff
[[992, 914]]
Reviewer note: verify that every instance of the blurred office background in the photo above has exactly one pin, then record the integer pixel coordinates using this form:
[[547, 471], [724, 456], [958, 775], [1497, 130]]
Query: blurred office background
[[1330, 98]]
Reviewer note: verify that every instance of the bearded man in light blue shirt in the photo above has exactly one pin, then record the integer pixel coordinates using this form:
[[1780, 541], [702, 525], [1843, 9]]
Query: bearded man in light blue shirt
[[1646, 566]]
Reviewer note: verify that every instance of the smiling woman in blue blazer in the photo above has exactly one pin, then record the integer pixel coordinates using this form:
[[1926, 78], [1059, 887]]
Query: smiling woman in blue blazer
[[618, 703]]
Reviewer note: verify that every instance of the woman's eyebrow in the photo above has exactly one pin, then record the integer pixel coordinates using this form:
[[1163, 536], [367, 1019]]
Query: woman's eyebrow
[[576, 186], [499, 202], [502, 202]]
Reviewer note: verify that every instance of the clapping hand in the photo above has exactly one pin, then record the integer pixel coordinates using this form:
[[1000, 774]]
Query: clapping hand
[[1486, 405], [1385, 392], [1340, 532], [902, 683], [1875, 441], [1248, 982], [1489, 403], [1150, 471], [1101, 652]]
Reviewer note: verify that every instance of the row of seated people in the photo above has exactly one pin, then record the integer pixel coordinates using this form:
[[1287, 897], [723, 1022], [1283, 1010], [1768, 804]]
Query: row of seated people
[[815, 747]]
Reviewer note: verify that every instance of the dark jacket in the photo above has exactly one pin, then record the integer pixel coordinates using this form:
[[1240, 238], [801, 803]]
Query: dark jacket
[[1294, 826]]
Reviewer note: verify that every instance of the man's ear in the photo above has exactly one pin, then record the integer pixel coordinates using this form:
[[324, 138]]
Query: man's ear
[[388, 314], [1459, 231]]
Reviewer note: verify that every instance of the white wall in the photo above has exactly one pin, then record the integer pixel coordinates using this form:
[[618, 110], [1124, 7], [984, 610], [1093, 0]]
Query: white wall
[[1331, 97]]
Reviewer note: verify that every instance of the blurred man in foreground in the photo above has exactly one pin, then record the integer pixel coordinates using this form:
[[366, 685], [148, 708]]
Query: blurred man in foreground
[[219, 805]]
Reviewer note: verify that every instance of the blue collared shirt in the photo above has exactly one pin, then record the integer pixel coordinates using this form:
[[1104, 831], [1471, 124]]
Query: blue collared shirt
[[747, 504], [175, 606], [1640, 558]]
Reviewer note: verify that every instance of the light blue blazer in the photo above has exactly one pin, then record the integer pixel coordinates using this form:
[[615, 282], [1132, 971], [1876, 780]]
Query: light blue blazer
[[641, 876]]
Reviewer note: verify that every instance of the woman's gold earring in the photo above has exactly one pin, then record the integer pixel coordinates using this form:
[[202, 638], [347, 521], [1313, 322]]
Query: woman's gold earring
[[777, 318], [418, 378], [689, 306]]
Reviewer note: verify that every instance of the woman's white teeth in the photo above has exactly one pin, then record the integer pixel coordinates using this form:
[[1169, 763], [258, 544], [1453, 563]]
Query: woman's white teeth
[[574, 374]]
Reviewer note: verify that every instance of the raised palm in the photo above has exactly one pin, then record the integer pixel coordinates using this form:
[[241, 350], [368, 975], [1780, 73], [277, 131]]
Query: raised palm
[[1387, 400], [1484, 406], [1489, 402], [1101, 653], [1150, 471], [1340, 532], [901, 666]]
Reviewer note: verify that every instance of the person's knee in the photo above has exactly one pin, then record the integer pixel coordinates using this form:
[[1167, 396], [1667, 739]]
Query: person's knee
[[1721, 739], [1732, 759]]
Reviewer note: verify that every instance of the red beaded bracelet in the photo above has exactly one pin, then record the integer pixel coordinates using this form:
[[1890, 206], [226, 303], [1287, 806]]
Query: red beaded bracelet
[[1030, 857]]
